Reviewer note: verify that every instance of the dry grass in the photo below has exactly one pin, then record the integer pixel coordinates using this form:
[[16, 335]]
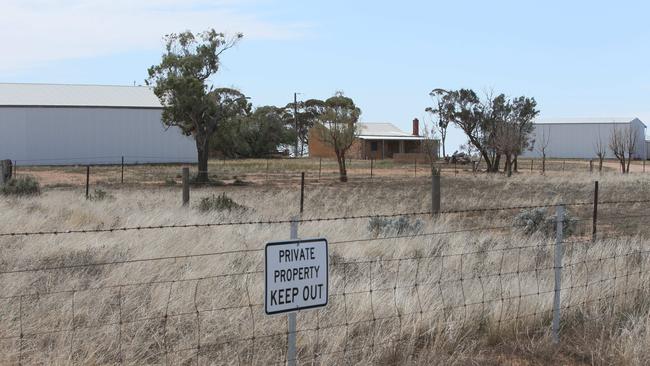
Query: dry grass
[[498, 314]]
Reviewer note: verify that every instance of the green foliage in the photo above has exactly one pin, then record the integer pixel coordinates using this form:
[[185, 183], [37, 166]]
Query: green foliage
[[538, 220], [23, 186], [301, 117], [254, 135], [180, 82], [337, 127], [497, 126], [386, 226], [218, 203]]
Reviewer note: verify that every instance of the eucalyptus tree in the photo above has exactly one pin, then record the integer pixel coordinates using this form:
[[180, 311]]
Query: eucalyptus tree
[[180, 81], [337, 127]]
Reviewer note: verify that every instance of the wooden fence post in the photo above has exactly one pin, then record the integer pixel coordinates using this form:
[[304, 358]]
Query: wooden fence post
[[7, 171], [186, 186], [87, 181], [435, 193]]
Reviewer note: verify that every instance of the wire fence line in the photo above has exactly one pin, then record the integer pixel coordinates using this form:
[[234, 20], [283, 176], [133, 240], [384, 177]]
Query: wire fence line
[[382, 309], [132, 169]]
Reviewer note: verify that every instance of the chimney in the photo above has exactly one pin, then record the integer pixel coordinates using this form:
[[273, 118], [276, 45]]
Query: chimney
[[416, 127]]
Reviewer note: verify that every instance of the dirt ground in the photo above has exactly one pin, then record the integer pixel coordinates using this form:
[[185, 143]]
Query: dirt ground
[[287, 171]]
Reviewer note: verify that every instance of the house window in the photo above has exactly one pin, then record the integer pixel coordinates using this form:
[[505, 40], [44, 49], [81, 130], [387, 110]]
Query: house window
[[373, 146]]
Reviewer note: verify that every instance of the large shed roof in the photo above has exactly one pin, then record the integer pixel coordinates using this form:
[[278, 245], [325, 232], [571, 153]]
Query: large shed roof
[[384, 131], [75, 95], [594, 120]]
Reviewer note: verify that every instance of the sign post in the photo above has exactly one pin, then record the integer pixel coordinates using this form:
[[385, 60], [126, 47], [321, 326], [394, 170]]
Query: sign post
[[296, 278]]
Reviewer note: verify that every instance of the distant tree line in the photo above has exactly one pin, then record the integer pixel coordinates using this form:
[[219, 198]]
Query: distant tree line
[[266, 131]]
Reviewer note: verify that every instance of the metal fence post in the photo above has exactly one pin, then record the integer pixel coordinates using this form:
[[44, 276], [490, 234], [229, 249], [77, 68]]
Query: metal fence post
[[595, 217], [87, 181], [320, 166], [291, 317], [186, 186], [531, 165], [415, 167], [559, 217], [122, 169], [371, 164]]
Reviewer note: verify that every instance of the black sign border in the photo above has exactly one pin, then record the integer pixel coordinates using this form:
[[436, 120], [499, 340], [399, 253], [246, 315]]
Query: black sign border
[[266, 266]]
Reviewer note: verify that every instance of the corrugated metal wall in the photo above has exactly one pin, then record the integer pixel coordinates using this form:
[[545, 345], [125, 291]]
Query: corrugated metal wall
[[45, 135], [578, 140]]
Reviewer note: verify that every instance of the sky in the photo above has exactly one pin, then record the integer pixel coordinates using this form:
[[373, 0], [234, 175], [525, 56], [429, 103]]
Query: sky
[[576, 58]]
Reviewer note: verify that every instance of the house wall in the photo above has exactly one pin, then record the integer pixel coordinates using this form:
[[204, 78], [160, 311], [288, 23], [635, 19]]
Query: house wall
[[70, 135], [578, 140], [362, 149]]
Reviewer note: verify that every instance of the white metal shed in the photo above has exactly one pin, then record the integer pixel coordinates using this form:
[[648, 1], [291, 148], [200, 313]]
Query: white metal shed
[[53, 124], [578, 138]]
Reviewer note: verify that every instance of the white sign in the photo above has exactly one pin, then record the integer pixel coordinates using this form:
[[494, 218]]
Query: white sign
[[296, 273]]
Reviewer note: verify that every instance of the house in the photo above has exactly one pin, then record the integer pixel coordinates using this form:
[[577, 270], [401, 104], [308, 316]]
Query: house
[[579, 138], [376, 141], [54, 124]]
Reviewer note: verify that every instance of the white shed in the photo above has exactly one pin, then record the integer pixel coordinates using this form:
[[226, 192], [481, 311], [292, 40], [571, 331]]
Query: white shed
[[578, 138], [50, 124]]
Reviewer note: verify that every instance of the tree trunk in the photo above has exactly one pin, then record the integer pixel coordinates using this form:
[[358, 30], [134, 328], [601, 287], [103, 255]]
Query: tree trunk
[[543, 163], [496, 164], [343, 175], [488, 162], [629, 160], [203, 151], [444, 153], [514, 164], [600, 165], [508, 167]]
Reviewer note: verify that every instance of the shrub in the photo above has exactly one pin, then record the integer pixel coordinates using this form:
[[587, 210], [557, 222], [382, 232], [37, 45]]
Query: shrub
[[538, 220], [218, 203], [99, 195], [23, 186], [402, 225], [239, 182]]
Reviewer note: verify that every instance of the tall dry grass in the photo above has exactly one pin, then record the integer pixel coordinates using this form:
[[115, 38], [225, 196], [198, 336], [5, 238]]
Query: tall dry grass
[[457, 297]]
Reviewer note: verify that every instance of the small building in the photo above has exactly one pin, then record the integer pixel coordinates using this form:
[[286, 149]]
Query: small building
[[579, 138], [376, 141], [53, 124]]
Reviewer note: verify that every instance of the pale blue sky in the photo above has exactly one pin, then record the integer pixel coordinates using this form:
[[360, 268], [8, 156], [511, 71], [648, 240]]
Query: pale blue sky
[[578, 59]]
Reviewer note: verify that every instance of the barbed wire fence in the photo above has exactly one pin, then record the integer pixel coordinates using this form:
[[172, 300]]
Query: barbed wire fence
[[385, 306]]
